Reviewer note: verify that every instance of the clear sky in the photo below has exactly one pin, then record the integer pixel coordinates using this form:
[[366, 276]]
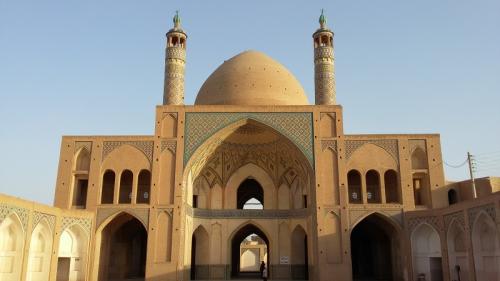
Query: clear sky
[[96, 68]]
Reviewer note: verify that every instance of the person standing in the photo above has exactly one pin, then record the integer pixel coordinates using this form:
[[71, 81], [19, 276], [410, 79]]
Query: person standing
[[264, 273]]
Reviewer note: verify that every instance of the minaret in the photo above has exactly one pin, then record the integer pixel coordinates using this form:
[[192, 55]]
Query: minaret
[[175, 61], [324, 66]]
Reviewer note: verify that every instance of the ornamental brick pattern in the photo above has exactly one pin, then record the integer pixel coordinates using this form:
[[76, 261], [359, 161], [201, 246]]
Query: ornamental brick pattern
[[324, 75]]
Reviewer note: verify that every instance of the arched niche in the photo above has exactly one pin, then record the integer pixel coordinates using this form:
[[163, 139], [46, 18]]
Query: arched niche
[[163, 249], [166, 182], [458, 260], [72, 254], [40, 252], [419, 159], [200, 254], [354, 187], [392, 190], [486, 248], [452, 197], [82, 160], [81, 171], [373, 187], [143, 187], [332, 238], [108, 187], [328, 181], [426, 252], [299, 254], [327, 125], [125, 191], [11, 248], [169, 125]]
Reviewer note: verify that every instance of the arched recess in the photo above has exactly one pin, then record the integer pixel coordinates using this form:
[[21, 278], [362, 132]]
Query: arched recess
[[299, 255], [327, 126], [169, 125], [376, 249], [373, 187], [250, 172], [11, 248], [329, 177], [458, 260], [40, 252], [81, 170], [426, 253], [354, 187], [164, 237], [122, 244], [419, 159], [108, 187], [486, 248], [72, 254], [144, 187], [216, 197], [200, 254], [125, 192], [392, 191], [332, 238], [166, 182], [237, 238]]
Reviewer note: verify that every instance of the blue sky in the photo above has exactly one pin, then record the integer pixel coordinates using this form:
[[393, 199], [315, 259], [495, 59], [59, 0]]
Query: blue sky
[[96, 68]]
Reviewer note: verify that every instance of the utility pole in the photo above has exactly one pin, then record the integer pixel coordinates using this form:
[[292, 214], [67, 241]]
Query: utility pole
[[470, 159]]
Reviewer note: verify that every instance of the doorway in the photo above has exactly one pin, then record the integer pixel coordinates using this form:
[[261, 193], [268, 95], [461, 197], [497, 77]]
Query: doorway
[[249, 247], [372, 249]]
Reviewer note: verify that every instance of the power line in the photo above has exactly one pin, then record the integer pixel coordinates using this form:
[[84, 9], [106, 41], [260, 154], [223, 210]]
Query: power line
[[456, 166]]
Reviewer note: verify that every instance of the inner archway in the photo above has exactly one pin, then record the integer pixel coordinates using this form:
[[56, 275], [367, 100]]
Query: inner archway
[[250, 195], [123, 250], [249, 247], [374, 245]]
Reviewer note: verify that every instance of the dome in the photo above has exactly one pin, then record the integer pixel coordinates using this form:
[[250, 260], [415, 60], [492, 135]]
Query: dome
[[251, 78]]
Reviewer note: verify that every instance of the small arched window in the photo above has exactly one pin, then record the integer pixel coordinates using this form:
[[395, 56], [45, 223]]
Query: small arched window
[[452, 197], [108, 187], [144, 187], [354, 186], [126, 180]]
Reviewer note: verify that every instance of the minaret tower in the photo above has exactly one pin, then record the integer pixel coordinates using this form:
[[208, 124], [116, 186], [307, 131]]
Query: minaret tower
[[175, 62], [324, 66]]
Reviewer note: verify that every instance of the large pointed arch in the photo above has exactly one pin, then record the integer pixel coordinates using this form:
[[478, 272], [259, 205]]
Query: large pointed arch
[[457, 251], [376, 248]]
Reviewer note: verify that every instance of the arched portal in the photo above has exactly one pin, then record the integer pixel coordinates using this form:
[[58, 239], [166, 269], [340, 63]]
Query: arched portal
[[486, 248], [247, 238], [426, 251], [123, 249], [374, 249], [11, 248], [250, 195]]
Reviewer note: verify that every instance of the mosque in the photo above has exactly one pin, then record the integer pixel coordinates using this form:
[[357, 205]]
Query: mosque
[[253, 173]]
